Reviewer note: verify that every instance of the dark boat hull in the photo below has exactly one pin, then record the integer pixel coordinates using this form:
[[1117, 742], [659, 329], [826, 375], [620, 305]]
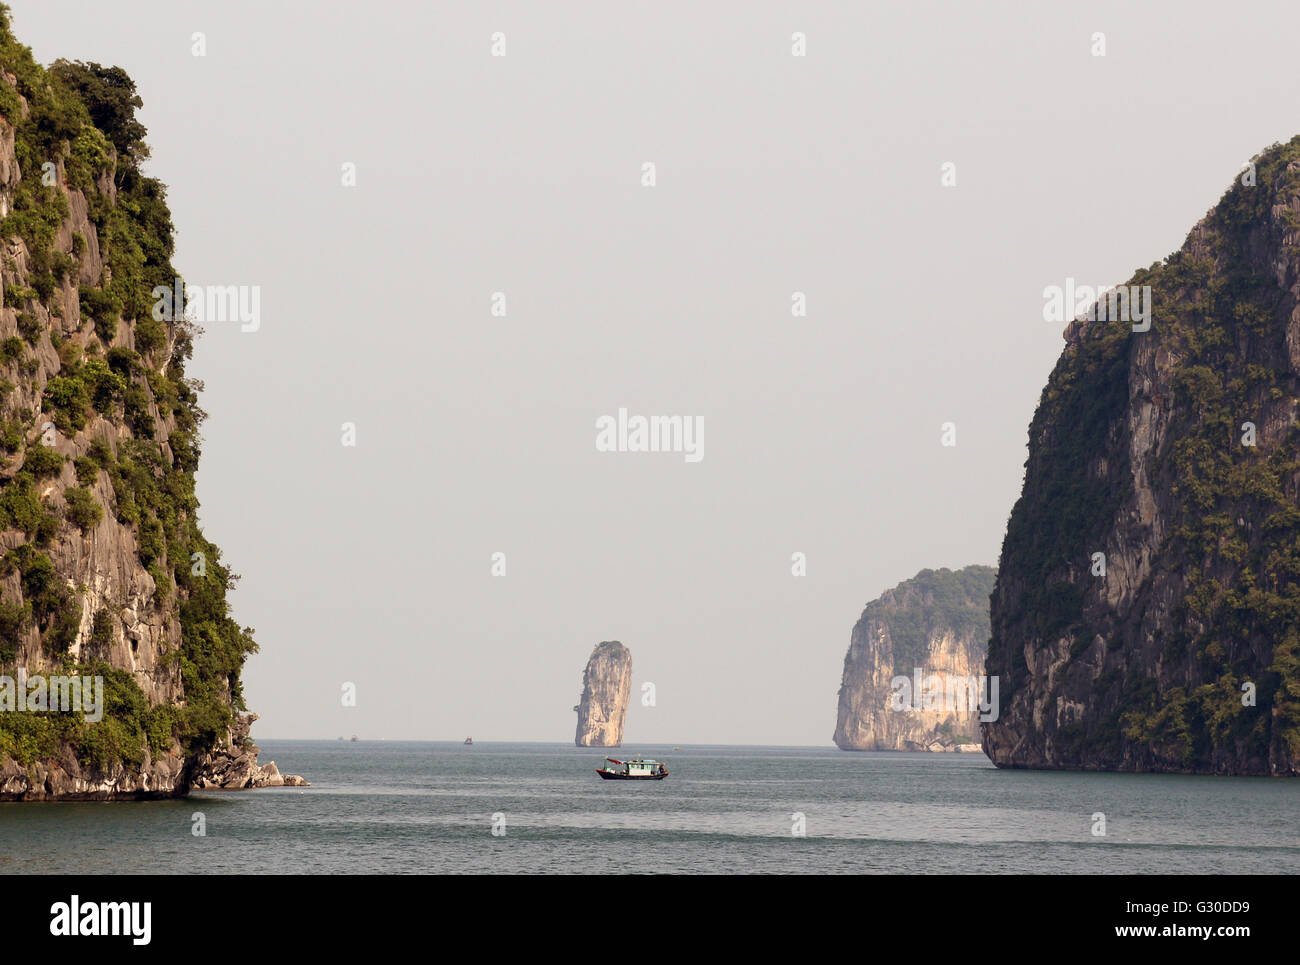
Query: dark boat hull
[[607, 776]]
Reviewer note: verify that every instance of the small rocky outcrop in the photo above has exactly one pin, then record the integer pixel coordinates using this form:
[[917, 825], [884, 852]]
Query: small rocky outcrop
[[234, 767], [606, 684], [937, 623]]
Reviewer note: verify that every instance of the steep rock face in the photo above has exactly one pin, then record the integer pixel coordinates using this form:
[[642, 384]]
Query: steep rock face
[[104, 572], [1173, 452], [606, 685], [937, 621]]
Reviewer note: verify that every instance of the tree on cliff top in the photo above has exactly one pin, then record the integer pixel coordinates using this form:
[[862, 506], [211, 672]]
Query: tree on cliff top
[[110, 97]]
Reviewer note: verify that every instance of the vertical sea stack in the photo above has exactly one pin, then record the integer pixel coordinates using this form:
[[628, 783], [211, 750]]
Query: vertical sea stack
[[105, 575], [1147, 609], [606, 684], [937, 621]]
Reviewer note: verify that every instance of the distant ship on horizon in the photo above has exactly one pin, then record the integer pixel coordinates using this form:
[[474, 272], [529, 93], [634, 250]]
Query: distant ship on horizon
[[469, 740]]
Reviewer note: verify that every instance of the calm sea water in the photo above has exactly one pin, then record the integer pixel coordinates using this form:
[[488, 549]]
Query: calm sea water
[[399, 807]]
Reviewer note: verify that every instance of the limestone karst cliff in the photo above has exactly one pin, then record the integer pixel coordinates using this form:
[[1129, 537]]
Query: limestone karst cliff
[[606, 684], [1147, 609], [937, 621], [104, 572]]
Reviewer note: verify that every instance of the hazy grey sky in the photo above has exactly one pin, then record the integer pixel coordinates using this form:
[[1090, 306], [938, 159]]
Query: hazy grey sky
[[522, 174]]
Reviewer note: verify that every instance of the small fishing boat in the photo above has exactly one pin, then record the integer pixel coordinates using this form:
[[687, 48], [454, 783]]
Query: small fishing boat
[[636, 769], [469, 740]]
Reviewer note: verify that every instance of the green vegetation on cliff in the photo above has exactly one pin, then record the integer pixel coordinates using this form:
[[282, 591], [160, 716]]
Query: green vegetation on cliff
[[80, 118], [1230, 553], [934, 601]]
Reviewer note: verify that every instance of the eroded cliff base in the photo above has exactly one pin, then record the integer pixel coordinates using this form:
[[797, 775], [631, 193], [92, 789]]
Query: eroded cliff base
[[233, 766]]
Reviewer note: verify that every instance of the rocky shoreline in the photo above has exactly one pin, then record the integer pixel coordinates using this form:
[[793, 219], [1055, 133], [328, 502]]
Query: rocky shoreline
[[231, 767]]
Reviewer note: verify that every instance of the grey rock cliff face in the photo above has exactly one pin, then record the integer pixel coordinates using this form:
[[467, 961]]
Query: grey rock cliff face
[[937, 621], [1145, 616], [101, 568], [105, 561], [606, 685]]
